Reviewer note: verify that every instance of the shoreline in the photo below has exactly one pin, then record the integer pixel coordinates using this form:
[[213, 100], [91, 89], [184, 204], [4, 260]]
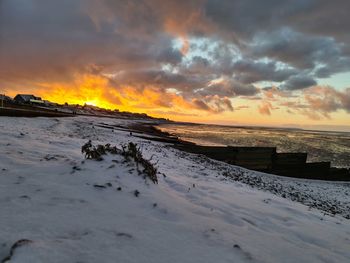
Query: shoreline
[[85, 209], [291, 163], [146, 129], [291, 188]]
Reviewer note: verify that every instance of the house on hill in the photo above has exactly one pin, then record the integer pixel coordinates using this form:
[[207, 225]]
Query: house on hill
[[28, 99], [3, 97], [4, 100]]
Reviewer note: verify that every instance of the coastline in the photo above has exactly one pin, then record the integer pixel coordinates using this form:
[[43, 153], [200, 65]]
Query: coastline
[[90, 210], [147, 131], [263, 159], [297, 191]]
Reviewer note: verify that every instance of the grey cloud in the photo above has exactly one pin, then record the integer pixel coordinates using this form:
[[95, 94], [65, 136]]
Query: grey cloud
[[213, 104], [334, 65], [55, 39], [201, 104], [249, 71], [325, 18], [158, 78], [274, 29], [43, 40], [300, 50], [246, 17], [213, 55], [221, 104], [244, 90], [229, 88], [298, 82], [170, 55], [228, 104], [199, 65]]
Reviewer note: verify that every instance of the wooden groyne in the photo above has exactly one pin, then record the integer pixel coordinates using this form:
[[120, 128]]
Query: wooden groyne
[[266, 159]]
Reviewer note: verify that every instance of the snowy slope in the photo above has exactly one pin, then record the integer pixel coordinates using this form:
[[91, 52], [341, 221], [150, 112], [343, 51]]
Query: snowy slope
[[76, 210]]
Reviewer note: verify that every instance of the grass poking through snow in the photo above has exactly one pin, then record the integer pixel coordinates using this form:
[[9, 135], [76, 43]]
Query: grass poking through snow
[[129, 151]]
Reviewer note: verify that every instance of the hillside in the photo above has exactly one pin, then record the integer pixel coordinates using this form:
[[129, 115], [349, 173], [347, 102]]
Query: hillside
[[57, 206]]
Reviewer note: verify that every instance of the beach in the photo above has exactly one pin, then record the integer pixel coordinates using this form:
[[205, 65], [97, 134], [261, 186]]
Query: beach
[[331, 146], [66, 208]]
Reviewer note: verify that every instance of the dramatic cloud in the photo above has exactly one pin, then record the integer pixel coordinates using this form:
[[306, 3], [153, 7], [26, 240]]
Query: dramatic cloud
[[327, 99], [190, 57], [298, 82], [249, 71], [316, 102], [228, 88]]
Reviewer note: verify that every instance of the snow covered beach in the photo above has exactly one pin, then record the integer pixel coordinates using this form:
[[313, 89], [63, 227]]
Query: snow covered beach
[[74, 210]]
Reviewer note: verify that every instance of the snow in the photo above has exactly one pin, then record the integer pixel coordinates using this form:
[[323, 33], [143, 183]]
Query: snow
[[200, 211]]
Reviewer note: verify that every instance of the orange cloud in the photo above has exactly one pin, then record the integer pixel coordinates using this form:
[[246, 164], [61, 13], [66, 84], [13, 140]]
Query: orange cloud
[[85, 88], [100, 91], [266, 107]]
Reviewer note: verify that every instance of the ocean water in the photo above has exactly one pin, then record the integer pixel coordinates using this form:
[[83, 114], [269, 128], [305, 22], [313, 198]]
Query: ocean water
[[320, 145]]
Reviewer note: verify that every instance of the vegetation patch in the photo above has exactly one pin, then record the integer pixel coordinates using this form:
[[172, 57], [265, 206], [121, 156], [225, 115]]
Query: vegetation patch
[[131, 152]]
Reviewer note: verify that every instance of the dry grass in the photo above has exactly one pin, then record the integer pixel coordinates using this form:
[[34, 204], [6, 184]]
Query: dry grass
[[129, 151]]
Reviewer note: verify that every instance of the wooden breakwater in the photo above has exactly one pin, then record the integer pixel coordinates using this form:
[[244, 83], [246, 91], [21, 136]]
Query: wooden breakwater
[[266, 159]]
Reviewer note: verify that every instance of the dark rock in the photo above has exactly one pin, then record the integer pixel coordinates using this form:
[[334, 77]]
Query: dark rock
[[124, 235], [99, 186]]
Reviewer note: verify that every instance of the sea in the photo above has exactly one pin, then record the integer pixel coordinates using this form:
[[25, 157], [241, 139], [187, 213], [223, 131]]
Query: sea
[[320, 145]]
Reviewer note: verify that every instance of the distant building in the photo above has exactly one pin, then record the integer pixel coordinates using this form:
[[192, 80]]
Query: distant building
[[5, 98], [28, 99]]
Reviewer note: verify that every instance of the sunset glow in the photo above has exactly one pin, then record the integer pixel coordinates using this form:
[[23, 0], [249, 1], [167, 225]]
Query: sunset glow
[[168, 131], [181, 62]]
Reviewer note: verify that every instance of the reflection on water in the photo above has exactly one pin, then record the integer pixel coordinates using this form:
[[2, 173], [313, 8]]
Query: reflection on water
[[320, 146]]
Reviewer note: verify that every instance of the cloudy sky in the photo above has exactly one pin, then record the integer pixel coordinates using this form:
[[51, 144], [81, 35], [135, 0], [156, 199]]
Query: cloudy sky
[[271, 62]]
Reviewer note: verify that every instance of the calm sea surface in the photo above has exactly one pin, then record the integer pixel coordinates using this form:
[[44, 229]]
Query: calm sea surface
[[320, 145]]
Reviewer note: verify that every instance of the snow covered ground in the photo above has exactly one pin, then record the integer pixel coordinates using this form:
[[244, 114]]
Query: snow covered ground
[[68, 209]]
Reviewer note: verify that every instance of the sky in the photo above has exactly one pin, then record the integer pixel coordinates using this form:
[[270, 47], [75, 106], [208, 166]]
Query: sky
[[251, 62]]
